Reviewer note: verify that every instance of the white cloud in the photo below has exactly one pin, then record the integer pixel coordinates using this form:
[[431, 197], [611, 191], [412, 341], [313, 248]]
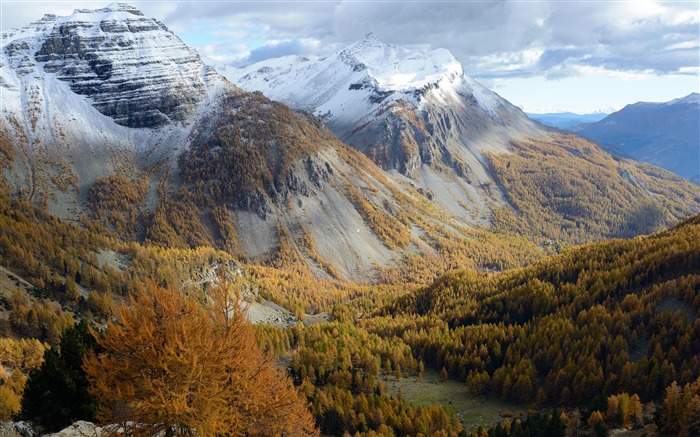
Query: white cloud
[[230, 54], [491, 39], [499, 42]]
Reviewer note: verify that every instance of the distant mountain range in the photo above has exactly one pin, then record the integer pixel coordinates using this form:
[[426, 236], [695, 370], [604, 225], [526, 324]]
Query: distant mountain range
[[664, 134], [565, 120]]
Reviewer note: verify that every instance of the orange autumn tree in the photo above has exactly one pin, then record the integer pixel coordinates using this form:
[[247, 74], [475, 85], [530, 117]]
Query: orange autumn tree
[[175, 365]]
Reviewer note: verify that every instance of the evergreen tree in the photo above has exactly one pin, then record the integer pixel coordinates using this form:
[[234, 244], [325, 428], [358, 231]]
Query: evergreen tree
[[600, 429], [56, 393]]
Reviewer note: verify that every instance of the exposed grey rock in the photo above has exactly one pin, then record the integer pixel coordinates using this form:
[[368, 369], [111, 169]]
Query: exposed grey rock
[[132, 67]]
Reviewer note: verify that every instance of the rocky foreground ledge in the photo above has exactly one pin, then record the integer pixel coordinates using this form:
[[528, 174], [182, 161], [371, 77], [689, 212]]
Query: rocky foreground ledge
[[23, 429]]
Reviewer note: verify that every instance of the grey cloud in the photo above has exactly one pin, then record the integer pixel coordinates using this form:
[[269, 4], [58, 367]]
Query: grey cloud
[[283, 19], [492, 39], [555, 57], [294, 47], [487, 37]]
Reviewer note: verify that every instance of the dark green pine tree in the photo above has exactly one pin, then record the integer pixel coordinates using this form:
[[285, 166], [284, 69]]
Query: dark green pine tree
[[555, 426], [600, 429], [56, 393]]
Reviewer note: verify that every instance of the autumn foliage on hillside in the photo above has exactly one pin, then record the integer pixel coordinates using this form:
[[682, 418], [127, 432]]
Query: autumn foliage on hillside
[[116, 200], [342, 369], [616, 321], [17, 358], [680, 411], [568, 189], [177, 365], [607, 318], [251, 149]]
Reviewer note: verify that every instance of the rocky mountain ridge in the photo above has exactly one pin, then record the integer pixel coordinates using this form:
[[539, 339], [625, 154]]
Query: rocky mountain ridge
[[414, 112], [132, 68], [109, 116], [93, 93]]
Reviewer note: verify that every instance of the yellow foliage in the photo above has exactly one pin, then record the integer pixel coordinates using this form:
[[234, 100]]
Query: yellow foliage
[[9, 402], [171, 364], [588, 198]]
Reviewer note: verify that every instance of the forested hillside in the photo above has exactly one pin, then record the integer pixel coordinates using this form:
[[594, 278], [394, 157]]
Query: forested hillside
[[571, 331], [557, 196], [603, 318], [594, 321], [181, 257]]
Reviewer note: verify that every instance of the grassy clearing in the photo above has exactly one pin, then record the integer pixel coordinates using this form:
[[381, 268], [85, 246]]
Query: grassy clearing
[[473, 411]]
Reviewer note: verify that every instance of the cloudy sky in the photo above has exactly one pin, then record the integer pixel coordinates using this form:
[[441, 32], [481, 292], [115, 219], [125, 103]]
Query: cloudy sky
[[544, 56]]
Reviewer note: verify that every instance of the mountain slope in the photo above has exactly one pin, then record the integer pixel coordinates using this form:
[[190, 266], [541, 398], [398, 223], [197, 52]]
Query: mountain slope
[[664, 134], [568, 189], [201, 162], [110, 116], [417, 114], [412, 111], [96, 92], [605, 318]]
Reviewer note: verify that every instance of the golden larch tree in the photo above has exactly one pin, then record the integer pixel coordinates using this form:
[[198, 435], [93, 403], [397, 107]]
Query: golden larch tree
[[182, 366]]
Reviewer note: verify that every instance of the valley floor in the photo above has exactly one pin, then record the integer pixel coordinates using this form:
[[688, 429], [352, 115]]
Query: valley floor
[[473, 411]]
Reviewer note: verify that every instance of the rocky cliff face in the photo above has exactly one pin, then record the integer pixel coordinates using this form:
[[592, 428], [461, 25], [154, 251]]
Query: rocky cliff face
[[99, 91], [132, 67]]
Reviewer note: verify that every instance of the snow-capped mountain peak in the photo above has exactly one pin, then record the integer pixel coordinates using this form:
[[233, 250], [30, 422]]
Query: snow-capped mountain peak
[[396, 68], [360, 78], [353, 85], [368, 42], [129, 67], [111, 11], [412, 110]]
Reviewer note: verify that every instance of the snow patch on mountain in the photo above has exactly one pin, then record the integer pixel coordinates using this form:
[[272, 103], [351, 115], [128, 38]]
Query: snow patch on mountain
[[396, 68], [413, 111], [99, 91], [129, 67], [690, 99], [358, 79]]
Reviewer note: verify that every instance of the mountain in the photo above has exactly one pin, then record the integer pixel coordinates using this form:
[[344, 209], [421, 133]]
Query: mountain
[[623, 292], [566, 120], [93, 93], [110, 120], [109, 116], [107, 195], [414, 112], [664, 134], [418, 115]]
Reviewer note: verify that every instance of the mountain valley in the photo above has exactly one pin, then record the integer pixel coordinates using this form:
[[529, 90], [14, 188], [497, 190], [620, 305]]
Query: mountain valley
[[168, 168], [377, 213]]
